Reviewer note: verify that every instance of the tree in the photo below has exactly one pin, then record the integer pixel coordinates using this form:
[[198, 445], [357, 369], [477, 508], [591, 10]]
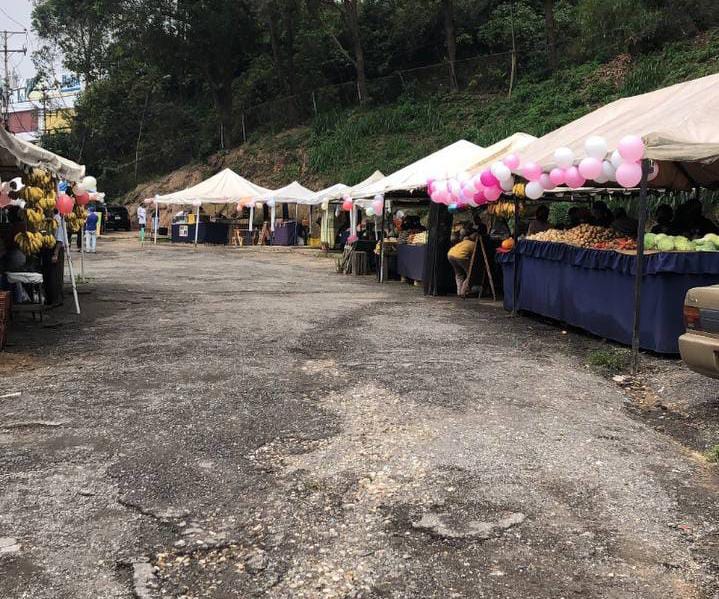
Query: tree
[[450, 41], [550, 28], [349, 9]]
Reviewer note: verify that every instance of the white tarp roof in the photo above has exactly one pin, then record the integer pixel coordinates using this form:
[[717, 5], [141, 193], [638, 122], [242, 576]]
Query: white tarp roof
[[294, 193], [336, 192], [223, 188], [451, 159], [515, 143], [679, 125], [15, 151]]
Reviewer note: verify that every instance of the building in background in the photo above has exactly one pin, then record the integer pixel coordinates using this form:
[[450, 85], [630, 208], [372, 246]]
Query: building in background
[[35, 110]]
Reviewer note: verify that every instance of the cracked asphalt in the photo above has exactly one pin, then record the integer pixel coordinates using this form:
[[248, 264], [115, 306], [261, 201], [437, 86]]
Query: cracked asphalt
[[247, 423]]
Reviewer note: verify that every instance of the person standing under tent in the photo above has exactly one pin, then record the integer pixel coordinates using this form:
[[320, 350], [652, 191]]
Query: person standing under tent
[[460, 256], [142, 221], [91, 230]]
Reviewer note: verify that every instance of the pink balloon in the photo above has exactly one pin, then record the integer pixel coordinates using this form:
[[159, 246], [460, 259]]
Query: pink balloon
[[573, 178], [377, 206], [479, 197], [631, 148], [557, 176], [511, 161], [590, 168], [347, 205], [629, 174], [82, 198], [545, 181], [4, 199], [461, 204], [488, 179], [492, 193], [64, 204], [531, 171], [477, 182], [445, 198]]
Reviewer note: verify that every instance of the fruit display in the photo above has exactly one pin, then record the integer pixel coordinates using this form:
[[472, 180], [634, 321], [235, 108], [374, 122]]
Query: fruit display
[[586, 236], [418, 238], [621, 243], [40, 197], [504, 209]]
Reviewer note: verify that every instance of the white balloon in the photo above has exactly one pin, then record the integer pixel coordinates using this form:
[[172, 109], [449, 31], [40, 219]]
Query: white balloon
[[379, 197], [89, 184], [501, 171], [616, 159], [564, 157], [369, 211], [609, 170], [596, 147], [601, 179], [507, 184], [534, 190]]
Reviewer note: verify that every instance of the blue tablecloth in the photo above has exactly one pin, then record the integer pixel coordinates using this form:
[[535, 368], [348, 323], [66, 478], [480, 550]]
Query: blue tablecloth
[[410, 261], [207, 233], [285, 234], [594, 289]]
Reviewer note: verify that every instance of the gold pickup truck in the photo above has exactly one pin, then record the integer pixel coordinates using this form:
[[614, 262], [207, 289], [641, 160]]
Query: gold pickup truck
[[699, 346]]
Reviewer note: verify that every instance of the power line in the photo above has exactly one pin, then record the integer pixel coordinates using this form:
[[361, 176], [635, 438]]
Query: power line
[[6, 51], [14, 20]]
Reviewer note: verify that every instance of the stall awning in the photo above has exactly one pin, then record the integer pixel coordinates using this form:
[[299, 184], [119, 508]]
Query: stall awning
[[515, 143], [223, 188], [336, 192], [15, 152], [451, 159], [294, 193], [679, 125]]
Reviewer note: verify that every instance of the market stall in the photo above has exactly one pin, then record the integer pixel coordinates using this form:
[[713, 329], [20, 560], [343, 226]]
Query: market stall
[[667, 140], [209, 198], [288, 231]]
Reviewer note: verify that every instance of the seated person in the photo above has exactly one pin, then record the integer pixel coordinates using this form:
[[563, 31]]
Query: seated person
[[540, 222], [664, 216], [460, 256], [601, 215], [690, 222], [624, 225]]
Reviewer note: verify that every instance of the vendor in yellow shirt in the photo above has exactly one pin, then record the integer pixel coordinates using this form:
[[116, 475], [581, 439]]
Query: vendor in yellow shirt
[[460, 256]]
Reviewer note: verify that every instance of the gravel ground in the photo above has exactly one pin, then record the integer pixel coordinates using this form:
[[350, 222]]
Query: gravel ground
[[245, 423]]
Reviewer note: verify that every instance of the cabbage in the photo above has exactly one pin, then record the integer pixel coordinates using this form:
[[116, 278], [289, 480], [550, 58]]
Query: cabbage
[[692, 247], [706, 248], [659, 236], [682, 245], [681, 238], [713, 237], [650, 241], [665, 245]]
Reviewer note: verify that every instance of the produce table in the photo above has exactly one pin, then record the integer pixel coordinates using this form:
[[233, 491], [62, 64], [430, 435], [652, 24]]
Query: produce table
[[594, 289], [410, 261], [285, 233], [207, 233]]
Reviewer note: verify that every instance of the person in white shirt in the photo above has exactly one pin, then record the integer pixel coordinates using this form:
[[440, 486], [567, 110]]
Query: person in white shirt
[[142, 221]]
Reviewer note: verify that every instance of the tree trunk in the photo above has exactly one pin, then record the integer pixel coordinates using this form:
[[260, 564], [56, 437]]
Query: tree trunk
[[550, 27], [451, 41], [289, 19], [275, 43], [223, 105], [352, 18]]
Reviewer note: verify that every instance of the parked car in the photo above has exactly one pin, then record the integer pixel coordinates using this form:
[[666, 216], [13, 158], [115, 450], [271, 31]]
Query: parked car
[[117, 218], [699, 346]]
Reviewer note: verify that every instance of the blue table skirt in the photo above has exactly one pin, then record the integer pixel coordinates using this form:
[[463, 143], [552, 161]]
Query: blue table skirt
[[594, 289], [285, 234], [207, 233], [410, 261]]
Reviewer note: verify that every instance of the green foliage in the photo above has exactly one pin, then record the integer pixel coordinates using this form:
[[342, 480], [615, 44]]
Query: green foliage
[[611, 360], [712, 454]]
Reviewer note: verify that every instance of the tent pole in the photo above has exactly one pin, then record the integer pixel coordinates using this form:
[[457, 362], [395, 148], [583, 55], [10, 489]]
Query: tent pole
[[197, 223], [252, 215], [157, 221], [515, 273], [381, 244], [272, 217], [69, 263], [640, 264]]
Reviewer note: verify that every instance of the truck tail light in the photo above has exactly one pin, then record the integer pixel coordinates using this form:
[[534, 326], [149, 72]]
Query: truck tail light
[[692, 319]]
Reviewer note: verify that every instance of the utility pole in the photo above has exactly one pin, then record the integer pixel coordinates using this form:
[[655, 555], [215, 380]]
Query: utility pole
[[6, 35]]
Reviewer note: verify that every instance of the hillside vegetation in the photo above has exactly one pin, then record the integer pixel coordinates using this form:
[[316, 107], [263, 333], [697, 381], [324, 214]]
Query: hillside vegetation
[[349, 145]]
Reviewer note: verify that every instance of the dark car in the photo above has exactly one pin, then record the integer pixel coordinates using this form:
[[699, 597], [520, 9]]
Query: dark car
[[117, 218]]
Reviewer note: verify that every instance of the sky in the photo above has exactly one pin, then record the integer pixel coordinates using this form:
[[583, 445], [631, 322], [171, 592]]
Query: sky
[[15, 16]]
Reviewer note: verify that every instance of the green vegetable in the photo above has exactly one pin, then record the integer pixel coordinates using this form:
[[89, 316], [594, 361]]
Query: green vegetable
[[650, 241], [665, 245]]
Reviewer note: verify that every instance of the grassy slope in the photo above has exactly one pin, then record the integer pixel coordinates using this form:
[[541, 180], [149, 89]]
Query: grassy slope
[[350, 145]]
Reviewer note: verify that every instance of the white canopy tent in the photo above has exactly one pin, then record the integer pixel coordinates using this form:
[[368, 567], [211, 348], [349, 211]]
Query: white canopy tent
[[451, 159], [225, 187], [294, 193], [16, 153], [515, 143]]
